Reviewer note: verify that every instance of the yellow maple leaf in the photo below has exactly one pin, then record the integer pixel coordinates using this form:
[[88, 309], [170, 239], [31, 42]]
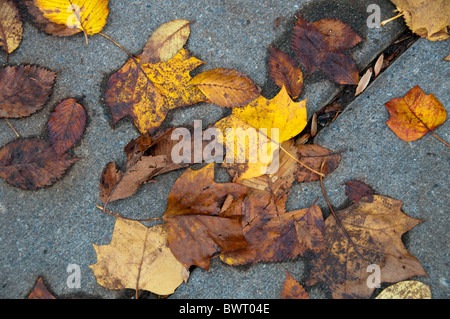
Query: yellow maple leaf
[[280, 115], [138, 258]]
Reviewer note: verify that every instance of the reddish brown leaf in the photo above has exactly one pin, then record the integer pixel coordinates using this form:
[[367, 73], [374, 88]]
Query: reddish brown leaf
[[195, 230], [292, 289], [66, 125], [273, 234], [355, 190], [40, 291], [32, 163], [339, 36], [319, 45], [339, 67], [284, 71], [314, 156], [24, 90], [308, 44]]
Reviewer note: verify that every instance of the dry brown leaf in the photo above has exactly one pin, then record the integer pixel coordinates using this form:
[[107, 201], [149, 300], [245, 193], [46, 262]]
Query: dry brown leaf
[[40, 291], [339, 36], [66, 125], [196, 232], [375, 224], [32, 163], [272, 233], [378, 65], [363, 82], [284, 71], [355, 190], [24, 90], [138, 258], [315, 156], [292, 289], [226, 87], [10, 26]]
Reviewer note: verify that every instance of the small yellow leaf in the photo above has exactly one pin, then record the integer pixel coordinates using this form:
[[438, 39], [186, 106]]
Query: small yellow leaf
[[410, 289], [138, 258], [87, 15]]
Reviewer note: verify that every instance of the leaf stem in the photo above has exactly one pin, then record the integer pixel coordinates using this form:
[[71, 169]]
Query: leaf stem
[[303, 164], [445, 143], [338, 220], [127, 218], [391, 19], [17, 134]]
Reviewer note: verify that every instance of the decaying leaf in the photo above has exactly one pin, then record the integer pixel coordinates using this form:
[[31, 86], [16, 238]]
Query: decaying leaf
[[319, 45], [428, 19], [284, 71], [87, 16], [415, 114], [376, 225], [339, 36], [355, 190], [148, 92], [318, 158], [272, 233], [66, 125], [10, 26], [138, 258], [196, 232], [46, 25], [166, 41], [24, 89], [226, 87], [409, 289], [40, 291], [292, 289], [32, 163]]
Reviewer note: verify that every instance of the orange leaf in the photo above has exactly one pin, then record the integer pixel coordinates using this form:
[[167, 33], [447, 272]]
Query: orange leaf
[[226, 87], [292, 289], [285, 72], [66, 125], [40, 291], [415, 115]]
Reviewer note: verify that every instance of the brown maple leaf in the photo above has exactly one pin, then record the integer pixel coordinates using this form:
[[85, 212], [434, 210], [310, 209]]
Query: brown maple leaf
[[40, 291], [292, 289], [272, 233], [375, 224], [196, 232]]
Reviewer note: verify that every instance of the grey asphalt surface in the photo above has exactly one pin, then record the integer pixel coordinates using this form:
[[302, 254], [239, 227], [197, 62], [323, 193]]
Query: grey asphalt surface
[[42, 232]]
